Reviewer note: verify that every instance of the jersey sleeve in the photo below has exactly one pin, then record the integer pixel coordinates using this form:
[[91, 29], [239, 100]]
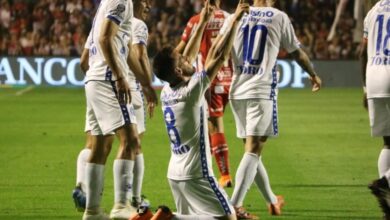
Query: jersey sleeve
[[198, 85], [188, 30], [140, 34], [116, 10], [289, 40], [226, 25]]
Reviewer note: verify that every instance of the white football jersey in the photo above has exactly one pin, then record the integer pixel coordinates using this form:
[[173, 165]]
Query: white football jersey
[[120, 12], [139, 36], [377, 32], [260, 35], [185, 116]]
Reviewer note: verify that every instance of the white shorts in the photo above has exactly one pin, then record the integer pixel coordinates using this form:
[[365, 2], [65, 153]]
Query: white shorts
[[104, 113], [201, 196], [137, 99], [255, 117], [379, 113]]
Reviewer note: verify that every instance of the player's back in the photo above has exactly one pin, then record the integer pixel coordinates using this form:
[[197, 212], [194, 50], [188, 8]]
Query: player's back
[[120, 12], [184, 110], [261, 34], [377, 32]]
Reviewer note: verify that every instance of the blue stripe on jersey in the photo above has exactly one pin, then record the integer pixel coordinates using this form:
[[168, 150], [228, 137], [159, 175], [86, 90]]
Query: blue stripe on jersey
[[274, 82], [114, 19], [275, 117], [108, 74], [214, 186], [125, 111]]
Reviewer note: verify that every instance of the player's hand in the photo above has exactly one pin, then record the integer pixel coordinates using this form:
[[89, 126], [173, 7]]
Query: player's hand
[[207, 11], [242, 7], [124, 94], [316, 83], [151, 99], [365, 102]]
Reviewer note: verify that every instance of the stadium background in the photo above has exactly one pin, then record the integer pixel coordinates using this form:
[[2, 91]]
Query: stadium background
[[321, 162]]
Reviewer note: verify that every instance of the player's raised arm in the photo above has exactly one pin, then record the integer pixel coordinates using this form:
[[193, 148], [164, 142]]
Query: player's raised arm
[[108, 32], [303, 60], [192, 48], [222, 46]]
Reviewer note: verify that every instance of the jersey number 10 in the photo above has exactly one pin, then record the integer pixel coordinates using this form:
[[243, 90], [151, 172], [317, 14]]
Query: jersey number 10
[[379, 46], [249, 44]]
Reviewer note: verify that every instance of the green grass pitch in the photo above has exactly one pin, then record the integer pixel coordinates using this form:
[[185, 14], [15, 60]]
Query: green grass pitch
[[321, 162]]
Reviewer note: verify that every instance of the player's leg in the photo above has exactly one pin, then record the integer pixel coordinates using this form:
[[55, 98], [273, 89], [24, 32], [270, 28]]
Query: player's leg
[[198, 199], [123, 170], [220, 149], [139, 164], [95, 175], [78, 193], [246, 170], [269, 126], [380, 127]]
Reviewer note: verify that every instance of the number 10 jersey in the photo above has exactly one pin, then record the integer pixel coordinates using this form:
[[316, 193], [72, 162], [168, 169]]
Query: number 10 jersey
[[256, 46]]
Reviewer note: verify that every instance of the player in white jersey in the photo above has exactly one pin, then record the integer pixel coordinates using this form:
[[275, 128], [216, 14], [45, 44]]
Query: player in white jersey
[[108, 95], [376, 75], [139, 42], [194, 187], [141, 9], [253, 93]]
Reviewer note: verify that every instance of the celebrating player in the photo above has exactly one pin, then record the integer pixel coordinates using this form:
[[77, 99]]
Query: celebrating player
[[108, 96], [376, 79], [253, 93], [190, 174], [218, 95]]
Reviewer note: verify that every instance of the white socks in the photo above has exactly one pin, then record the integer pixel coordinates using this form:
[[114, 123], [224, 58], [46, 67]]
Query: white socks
[[94, 182], [262, 182], [245, 175], [122, 170], [138, 176], [384, 164], [82, 160]]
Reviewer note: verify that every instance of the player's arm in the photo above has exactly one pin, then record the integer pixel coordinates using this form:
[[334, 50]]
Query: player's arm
[[363, 63], [192, 48], [223, 44], [84, 59], [181, 46], [304, 61], [145, 78], [110, 53]]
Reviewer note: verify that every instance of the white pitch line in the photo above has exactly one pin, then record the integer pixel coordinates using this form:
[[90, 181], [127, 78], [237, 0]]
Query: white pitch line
[[23, 91]]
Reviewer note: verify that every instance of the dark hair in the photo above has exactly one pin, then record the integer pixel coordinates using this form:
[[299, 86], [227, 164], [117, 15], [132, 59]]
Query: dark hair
[[164, 63]]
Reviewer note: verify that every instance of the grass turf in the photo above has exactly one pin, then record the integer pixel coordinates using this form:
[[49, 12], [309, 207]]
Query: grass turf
[[321, 162]]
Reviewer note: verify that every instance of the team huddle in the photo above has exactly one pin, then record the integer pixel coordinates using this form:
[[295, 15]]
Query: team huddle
[[222, 58]]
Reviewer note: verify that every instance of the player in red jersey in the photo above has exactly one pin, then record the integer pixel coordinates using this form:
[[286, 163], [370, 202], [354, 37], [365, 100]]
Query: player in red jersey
[[218, 94]]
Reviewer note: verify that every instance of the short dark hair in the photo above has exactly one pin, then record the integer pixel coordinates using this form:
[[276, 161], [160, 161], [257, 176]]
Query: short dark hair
[[164, 63]]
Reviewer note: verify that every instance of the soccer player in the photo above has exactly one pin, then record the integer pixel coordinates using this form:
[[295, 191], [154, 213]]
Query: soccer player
[[194, 187], [253, 93], [108, 96], [218, 95], [376, 79], [139, 42], [139, 39]]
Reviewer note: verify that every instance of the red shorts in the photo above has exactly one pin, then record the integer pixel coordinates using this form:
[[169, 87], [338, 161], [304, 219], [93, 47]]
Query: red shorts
[[217, 100]]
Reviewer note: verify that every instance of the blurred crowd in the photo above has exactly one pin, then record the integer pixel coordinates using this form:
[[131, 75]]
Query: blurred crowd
[[60, 27]]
